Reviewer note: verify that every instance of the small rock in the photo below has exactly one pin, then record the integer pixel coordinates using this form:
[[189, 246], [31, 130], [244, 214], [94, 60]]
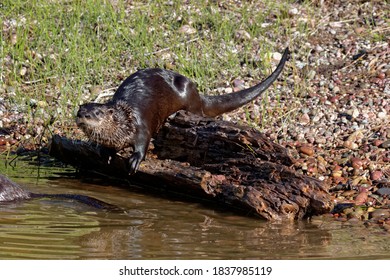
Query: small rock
[[356, 163], [293, 12], [383, 191], [319, 49], [377, 142], [385, 144], [336, 89], [186, 29], [382, 115], [333, 99], [307, 150], [381, 75], [2, 141], [359, 30], [23, 71], [276, 56], [14, 38], [312, 169], [304, 119], [376, 175], [311, 74], [380, 213], [242, 35], [238, 83], [356, 136], [355, 113], [42, 104], [350, 145], [228, 90], [337, 173], [320, 140], [361, 198]]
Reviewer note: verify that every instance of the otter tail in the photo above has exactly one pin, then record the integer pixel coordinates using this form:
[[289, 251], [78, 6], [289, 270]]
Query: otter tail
[[219, 104]]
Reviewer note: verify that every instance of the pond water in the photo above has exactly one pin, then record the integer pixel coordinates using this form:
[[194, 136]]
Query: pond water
[[159, 226]]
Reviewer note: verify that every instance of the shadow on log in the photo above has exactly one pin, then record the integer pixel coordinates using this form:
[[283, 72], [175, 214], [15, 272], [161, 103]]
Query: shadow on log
[[213, 160]]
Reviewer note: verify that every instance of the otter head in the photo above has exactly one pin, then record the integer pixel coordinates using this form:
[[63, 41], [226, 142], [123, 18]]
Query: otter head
[[111, 124]]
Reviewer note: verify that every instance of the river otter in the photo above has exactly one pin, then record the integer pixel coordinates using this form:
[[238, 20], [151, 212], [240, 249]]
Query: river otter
[[10, 191], [146, 99]]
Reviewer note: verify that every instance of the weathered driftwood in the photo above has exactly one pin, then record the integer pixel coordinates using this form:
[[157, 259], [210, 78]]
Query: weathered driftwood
[[212, 160]]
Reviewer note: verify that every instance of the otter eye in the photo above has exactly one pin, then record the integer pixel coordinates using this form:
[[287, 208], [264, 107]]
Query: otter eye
[[110, 111], [98, 112]]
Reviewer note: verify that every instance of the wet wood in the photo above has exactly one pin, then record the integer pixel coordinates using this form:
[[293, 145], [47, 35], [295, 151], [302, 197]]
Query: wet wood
[[212, 160]]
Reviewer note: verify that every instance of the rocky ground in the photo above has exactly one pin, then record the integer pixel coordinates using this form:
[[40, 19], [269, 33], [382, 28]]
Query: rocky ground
[[338, 124], [332, 110], [342, 126]]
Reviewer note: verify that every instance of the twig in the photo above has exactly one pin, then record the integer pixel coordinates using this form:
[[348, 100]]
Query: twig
[[105, 93], [167, 49], [37, 81]]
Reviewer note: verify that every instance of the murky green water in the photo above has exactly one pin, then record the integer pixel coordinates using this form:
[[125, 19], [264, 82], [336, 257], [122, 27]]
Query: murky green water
[[157, 226]]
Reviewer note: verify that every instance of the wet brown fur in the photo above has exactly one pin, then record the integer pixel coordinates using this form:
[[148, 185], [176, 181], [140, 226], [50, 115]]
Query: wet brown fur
[[10, 191], [146, 99]]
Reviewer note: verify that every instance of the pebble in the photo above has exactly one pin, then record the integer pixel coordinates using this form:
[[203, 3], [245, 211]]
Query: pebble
[[23, 71], [377, 142], [293, 12], [228, 90], [361, 198], [276, 56], [238, 84], [380, 213], [355, 113], [356, 136], [304, 119], [187, 29], [242, 35], [376, 175], [307, 150], [350, 145], [382, 115], [319, 49], [384, 191], [356, 163], [2, 141], [337, 173], [312, 73], [385, 144]]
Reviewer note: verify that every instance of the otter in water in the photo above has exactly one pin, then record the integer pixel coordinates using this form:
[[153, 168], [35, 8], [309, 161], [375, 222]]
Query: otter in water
[[10, 191], [146, 99]]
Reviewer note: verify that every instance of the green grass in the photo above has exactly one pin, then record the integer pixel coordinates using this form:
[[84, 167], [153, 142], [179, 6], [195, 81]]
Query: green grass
[[54, 52]]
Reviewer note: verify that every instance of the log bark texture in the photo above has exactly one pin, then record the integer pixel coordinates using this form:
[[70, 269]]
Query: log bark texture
[[213, 160]]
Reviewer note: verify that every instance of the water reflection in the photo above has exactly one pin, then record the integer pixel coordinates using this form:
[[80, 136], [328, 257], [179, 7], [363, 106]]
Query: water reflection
[[157, 227]]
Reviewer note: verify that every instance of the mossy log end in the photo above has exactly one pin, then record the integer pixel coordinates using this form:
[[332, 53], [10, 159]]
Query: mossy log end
[[213, 160]]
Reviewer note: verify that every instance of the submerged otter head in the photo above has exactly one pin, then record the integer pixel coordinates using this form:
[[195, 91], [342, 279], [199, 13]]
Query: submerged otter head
[[111, 124]]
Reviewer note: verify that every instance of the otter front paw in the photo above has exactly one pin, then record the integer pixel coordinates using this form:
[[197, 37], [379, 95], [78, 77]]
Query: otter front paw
[[134, 162]]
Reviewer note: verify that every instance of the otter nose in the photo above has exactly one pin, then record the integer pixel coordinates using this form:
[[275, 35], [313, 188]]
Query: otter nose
[[83, 114], [88, 111]]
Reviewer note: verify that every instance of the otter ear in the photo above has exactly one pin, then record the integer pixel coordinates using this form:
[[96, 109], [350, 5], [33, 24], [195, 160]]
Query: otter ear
[[110, 111]]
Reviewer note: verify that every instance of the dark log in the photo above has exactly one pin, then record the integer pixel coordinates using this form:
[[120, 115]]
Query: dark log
[[213, 160]]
